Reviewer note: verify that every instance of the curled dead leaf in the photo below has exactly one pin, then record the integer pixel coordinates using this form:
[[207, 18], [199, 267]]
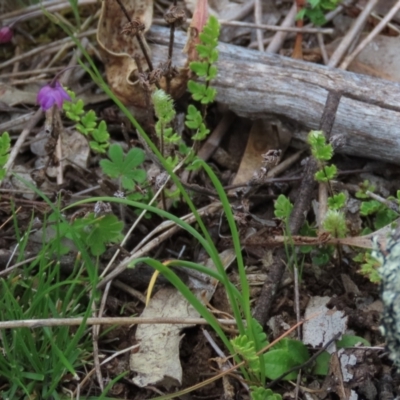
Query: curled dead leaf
[[128, 73]]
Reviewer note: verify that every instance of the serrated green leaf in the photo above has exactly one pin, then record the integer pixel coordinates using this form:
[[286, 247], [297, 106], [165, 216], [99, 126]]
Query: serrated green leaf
[[97, 147], [101, 134], [89, 120], [196, 89], [116, 155], [121, 166], [127, 183], [80, 128], [209, 95], [213, 57], [370, 207], [203, 51], [199, 68], [99, 231], [212, 73], [110, 168], [330, 171], [71, 115], [283, 207], [337, 201], [133, 159], [139, 175]]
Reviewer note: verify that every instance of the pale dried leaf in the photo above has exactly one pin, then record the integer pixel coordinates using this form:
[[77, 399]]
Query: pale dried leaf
[[323, 324], [157, 361]]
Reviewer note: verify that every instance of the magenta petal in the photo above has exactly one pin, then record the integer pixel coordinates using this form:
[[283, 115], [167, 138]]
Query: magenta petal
[[48, 95]]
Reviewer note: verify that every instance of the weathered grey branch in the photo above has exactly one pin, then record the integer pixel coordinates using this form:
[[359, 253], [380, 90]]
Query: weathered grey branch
[[255, 84]]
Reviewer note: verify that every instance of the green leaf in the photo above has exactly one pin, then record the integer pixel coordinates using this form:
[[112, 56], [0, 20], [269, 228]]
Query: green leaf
[[138, 175], [283, 207], [204, 51], [323, 256], [195, 87], [80, 128], [5, 143], [99, 231], [370, 207], [326, 174], [301, 14], [246, 348], [100, 134], [98, 148], [214, 55], [133, 159], [330, 171], [127, 183], [89, 120], [212, 72], [384, 217], [316, 16], [321, 366], [337, 201], [136, 196], [351, 341], [260, 393], [193, 118], [124, 167], [110, 168], [209, 95], [199, 68], [313, 3], [286, 354]]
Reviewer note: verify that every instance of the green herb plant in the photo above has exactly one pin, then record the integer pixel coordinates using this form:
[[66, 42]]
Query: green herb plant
[[86, 123], [334, 222], [316, 9], [201, 92], [95, 231], [125, 168], [249, 331], [376, 215], [34, 362]]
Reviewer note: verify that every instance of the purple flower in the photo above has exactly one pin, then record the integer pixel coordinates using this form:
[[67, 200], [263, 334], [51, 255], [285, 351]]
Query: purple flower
[[6, 34], [52, 94]]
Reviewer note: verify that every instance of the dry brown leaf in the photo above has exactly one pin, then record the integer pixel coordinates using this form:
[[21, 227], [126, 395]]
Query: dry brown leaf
[[123, 57], [119, 49]]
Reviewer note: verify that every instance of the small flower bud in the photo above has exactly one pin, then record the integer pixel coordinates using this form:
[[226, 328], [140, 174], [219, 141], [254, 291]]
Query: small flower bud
[[6, 34]]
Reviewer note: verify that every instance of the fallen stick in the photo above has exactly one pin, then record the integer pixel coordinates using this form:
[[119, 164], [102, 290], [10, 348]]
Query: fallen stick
[[255, 85]]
